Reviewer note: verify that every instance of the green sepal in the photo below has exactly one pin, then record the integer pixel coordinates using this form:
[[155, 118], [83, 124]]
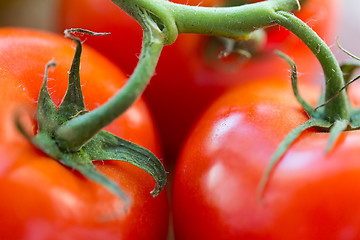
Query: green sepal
[[218, 47], [103, 146], [114, 148], [247, 47], [230, 46], [283, 147], [294, 79], [316, 120], [80, 161], [46, 110], [73, 102], [348, 68], [355, 119], [335, 131]]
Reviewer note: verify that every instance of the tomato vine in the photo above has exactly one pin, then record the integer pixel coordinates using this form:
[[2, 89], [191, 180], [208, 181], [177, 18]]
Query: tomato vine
[[73, 136], [335, 116], [162, 21]]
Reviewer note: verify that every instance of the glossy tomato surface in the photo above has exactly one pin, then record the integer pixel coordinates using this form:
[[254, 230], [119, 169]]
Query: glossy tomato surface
[[189, 75], [310, 195], [42, 199]]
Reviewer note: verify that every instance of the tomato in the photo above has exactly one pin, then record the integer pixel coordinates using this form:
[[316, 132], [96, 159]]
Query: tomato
[[42, 199], [310, 194], [189, 76]]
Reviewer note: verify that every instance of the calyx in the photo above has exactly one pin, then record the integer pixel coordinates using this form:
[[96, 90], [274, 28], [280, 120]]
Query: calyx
[[103, 146]]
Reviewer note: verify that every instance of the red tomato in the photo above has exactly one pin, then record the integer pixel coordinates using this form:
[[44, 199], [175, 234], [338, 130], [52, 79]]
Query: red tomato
[[310, 195], [187, 79], [42, 199]]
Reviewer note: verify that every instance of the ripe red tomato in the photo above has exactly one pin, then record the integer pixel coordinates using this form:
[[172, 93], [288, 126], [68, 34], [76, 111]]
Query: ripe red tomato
[[42, 199], [189, 76], [310, 195]]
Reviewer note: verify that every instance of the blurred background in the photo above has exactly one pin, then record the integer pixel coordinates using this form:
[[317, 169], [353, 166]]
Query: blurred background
[[29, 13]]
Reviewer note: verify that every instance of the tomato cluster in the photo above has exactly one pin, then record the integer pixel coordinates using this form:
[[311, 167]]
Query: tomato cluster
[[42, 199], [213, 117]]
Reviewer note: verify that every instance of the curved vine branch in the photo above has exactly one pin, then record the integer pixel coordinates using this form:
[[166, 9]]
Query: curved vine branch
[[232, 22]]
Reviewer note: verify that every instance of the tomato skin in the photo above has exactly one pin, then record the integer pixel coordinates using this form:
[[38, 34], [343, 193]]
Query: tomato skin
[[186, 81], [310, 195], [42, 199]]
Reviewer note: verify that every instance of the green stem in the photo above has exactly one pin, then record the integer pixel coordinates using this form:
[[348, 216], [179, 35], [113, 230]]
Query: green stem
[[157, 8], [78, 131], [233, 22], [339, 108]]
